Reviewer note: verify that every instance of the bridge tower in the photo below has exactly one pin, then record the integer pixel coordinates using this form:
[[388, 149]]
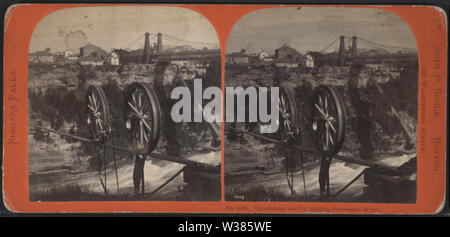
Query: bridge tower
[[354, 47], [159, 48], [341, 51], [147, 50]]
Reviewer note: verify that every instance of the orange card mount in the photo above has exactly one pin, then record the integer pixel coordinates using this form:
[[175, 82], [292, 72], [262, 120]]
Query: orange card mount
[[358, 94]]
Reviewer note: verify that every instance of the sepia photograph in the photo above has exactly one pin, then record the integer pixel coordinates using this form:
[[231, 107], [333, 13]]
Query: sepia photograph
[[100, 80], [347, 86]]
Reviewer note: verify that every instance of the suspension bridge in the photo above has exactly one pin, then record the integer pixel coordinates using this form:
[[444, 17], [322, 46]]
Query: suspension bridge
[[180, 49], [371, 52]]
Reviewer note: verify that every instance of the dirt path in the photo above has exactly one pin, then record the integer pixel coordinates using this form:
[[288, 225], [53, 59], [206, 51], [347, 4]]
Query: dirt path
[[271, 185]]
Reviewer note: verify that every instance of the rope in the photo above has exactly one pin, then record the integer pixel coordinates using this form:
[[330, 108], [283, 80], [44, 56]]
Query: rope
[[105, 165], [303, 173], [348, 185], [324, 176], [142, 172], [100, 169], [167, 181], [289, 160], [115, 164]]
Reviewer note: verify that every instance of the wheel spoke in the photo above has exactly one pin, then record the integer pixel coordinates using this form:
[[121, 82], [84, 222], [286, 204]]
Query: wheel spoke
[[331, 139], [92, 103], [331, 126], [134, 108], [145, 135], [320, 110], [287, 124], [326, 135], [92, 109], [99, 123], [139, 105], [141, 128], [95, 101], [146, 124], [134, 97]]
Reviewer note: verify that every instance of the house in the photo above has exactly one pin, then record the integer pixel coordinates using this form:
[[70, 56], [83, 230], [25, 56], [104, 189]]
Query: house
[[69, 54], [286, 52], [309, 61], [114, 59], [263, 55]]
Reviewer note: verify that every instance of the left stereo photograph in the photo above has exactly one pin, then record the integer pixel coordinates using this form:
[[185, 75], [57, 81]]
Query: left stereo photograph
[[100, 81]]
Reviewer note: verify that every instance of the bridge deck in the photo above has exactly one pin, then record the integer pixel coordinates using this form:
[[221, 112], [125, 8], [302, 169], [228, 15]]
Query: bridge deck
[[189, 55], [388, 59]]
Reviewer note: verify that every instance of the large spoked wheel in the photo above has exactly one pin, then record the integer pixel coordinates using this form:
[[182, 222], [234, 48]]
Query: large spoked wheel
[[97, 120], [329, 119], [329, 123], [288, 131], [97, 114], [142, 118]]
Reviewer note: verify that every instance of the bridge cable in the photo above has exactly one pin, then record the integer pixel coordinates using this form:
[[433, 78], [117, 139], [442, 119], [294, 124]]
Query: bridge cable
[[189, 42], [329, 45], [383, 45], [134, 42]]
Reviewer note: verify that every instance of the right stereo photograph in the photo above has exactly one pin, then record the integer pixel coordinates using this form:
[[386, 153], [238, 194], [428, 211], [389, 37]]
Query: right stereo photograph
[[324, 107]]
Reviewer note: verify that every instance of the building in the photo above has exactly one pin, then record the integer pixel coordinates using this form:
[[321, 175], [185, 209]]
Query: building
[[93, 50], [42, 57], [286, 52], [263, 55], [286, 63], [309, 61], [68, 54], [93, 55], [92, 60], [114, 59], [239, 58]]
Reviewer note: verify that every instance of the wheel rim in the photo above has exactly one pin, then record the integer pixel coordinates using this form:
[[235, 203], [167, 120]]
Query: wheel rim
[[288, 128], [328, 119], [97, 112], [288, 114], [141, 118]]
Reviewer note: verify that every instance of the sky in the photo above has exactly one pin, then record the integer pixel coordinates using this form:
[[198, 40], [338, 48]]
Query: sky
[[313, 28], [120, 27]]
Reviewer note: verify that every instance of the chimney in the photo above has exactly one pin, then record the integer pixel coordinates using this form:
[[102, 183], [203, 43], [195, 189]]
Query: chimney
[[159, 49], [147, 50], [354, 47], [342, 51]]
